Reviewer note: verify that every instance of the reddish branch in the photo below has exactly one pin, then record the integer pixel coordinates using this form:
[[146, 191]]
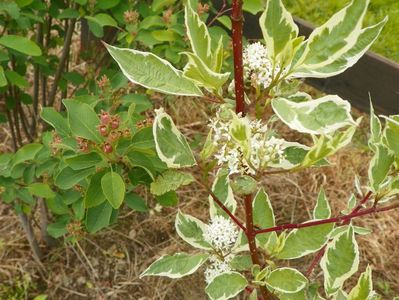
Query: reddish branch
[[227, 211], [343, 219], [237, 21]]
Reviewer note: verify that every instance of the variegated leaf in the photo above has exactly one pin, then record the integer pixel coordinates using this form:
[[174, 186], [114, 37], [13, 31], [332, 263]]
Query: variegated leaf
[[191, 230], [222, 190], [320, 116], [380, 165], [198, 35], [304, 241], [263, 215], [340, 260], [226, 286], [286, 280], [337, 45], [197, 71], [152, 72], [322, 209], [278, 28], [171, 146], [176, 266], [326, 146], [363, 288]]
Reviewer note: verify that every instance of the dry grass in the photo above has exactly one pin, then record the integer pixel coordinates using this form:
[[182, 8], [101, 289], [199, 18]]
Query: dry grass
[[107, 265]]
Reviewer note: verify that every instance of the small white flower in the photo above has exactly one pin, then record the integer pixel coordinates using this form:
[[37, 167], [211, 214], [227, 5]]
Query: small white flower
[[257, 66], [218, 266], [221, 233]]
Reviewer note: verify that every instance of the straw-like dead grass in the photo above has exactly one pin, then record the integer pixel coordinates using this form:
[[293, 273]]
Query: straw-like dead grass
[[107, 265]]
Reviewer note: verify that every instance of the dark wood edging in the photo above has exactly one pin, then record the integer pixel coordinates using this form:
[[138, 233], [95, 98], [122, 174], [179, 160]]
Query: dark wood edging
[[373, 75]]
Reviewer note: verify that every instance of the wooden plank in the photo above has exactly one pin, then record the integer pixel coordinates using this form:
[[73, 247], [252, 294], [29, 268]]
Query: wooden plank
[[373, 75]]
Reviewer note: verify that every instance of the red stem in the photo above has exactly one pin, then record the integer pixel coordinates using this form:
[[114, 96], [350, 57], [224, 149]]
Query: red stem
[[344, 219], [237, 20], [227, 211]]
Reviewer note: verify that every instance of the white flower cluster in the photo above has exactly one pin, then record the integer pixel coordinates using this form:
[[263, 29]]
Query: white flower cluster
[[217, 267], [263, 148], [222, 234], [257, 66]]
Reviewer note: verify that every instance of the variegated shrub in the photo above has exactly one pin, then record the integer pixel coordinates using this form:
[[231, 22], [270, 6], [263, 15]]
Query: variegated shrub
[[252, 256]]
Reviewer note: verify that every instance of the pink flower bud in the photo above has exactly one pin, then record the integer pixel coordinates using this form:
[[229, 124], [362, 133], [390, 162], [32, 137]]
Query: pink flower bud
[[107, 148], [105, 117], [103, 130]]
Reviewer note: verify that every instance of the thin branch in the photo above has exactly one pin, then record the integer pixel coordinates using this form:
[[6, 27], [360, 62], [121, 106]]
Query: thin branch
[[320, 253], [63, 59], [222, 206], [344, 218]]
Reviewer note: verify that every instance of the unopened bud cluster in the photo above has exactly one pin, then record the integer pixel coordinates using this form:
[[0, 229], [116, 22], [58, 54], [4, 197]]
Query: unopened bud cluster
[[109, 128], [263, 149]]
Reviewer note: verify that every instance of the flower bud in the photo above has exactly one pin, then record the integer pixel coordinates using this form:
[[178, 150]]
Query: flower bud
[[107, 148], [115, 121], [103, 130], [105, 117]]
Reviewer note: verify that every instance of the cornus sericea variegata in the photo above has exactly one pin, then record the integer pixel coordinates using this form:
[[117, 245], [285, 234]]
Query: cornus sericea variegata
[[253, 152], [248, 251]]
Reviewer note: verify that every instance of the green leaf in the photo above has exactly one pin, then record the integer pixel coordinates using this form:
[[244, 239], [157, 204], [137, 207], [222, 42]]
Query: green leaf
[[3, 80], [98, 217], [83, 161], [68, 177], [322, 209], [225, 21], [263, 215], [135, 202], [363, 288], [113, 188], [171, 145], [340, 260], [278, 28], [286, 280], [226, 286], [57, 205], [304, 241], [223, 191], [191, 230], [165, 35], [202, 75], [176, 266], [55, 119], [198, 35], [20, 44], [58, 229], [380, 165], [83, 120], [68, 13], [320, 116], [168, 199], [338, 44], [16, 79], [103, 20], [94, 195], [25, 153], [170, 180], [253, 6], [158, 4], [152, 72], [41, 190]]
